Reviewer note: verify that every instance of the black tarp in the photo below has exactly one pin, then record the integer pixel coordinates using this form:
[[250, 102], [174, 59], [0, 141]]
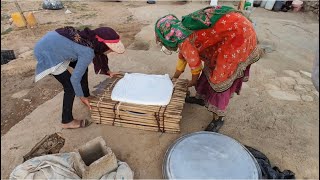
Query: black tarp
[[269, 172]]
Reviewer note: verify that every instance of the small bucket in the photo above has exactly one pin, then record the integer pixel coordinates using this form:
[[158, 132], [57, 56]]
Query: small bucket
[[18, 20], [31, 20], [297, 5]]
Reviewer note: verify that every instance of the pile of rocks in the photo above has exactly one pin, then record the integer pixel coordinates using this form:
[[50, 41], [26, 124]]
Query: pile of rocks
[[311, 6]]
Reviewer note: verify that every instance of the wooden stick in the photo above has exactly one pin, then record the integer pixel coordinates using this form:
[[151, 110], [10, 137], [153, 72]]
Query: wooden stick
[[137, 115], [111, 120], [169, 110], [140, 127], [108, 120], [133, 118], [241, 5]]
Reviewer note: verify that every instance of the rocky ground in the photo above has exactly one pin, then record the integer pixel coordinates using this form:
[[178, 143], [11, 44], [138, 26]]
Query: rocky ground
[[277, 111]]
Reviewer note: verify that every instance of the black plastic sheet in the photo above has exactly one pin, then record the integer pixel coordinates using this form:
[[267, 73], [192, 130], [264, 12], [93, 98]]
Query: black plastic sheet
[[6, 56], [269, 172]]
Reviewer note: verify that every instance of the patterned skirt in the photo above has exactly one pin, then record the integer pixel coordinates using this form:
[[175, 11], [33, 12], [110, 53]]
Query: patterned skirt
[[217, 102]]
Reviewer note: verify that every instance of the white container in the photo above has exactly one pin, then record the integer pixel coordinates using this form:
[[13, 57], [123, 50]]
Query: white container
[[250, 1], [270, 4], [297, 5], [263, 3], [213, 2]]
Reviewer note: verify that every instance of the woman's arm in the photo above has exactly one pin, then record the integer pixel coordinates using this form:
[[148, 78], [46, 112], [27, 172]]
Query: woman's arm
[[85, 56], [194, 80], [191, 55], [180, 67]]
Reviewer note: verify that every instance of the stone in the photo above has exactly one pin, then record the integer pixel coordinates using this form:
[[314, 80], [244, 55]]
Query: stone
[[276, 82], [245, 86], [287, 80], [26, 54], [68, 11], [298, 87], [292, 73], [271, 87], [312, 6], [20, 94], [303, 81], [27, 100], [306, 73], [95, 159], [23, 50], [284, 95], [286, 83], [267, 45], [308, 88], [307, 98]]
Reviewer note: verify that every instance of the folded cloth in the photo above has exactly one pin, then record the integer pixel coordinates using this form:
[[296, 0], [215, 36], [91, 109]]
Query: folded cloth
[[143, 89]]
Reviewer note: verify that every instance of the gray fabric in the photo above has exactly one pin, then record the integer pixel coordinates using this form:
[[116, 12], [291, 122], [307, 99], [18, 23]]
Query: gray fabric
[[53, 49], [57, 166], [315, 70], [63, 166], [123, 172]]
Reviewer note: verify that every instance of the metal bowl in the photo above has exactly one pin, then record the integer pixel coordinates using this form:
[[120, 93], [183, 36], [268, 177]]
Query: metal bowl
[[209, 155]]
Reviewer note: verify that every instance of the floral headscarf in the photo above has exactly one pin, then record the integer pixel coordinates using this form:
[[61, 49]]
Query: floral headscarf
[[206, 17], [170, 31]]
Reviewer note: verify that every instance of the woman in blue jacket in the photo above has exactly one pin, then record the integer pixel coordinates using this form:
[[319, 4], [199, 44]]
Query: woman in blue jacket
[[67, 46]]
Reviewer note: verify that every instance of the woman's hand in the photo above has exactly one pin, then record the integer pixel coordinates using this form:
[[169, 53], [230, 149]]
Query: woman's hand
[[194, 80], [177, 74], [86, 102], [112, 74], [192, 83]]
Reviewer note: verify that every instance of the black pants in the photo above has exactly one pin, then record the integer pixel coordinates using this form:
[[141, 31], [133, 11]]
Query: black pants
[[69, 93]]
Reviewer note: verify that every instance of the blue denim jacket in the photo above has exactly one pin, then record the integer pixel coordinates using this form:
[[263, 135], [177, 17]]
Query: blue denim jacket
[[53, 49]]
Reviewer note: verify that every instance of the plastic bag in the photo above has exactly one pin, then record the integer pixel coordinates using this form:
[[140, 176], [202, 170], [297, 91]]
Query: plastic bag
[[269, 172], [52, 4], [123, 172]]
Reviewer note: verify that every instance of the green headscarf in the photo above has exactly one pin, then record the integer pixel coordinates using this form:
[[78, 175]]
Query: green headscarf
[[206, 17], [170, 31]]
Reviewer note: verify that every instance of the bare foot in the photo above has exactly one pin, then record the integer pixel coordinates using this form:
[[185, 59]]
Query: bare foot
[[72, 125]]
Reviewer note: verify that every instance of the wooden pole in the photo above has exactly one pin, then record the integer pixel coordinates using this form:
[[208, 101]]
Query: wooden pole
[[241, 5]]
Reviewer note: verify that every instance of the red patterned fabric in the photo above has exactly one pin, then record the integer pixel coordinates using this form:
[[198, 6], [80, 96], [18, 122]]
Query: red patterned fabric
[[222, 47]]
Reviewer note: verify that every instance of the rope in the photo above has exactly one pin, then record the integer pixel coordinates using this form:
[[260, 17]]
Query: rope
[[114, 112], [156, 115], [118, 110], [98, 106], [165, 108], [102, 97]]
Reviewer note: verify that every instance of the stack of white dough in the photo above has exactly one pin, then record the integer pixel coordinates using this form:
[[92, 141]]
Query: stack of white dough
[[143, 89]]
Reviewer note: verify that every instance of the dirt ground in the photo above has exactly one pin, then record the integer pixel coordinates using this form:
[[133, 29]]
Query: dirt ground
[[277, 111]]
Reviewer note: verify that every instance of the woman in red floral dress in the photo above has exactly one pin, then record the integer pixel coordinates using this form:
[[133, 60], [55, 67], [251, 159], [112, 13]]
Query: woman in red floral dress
[[219, 44]]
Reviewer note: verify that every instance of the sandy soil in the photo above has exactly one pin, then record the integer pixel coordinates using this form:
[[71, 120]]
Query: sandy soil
[[277, 111], [19, 92]]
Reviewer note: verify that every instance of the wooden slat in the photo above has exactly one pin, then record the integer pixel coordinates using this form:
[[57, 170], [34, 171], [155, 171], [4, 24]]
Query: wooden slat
[[106, 111]]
